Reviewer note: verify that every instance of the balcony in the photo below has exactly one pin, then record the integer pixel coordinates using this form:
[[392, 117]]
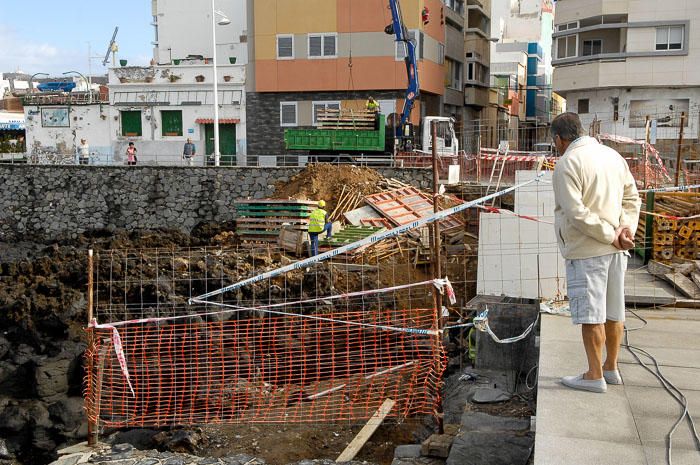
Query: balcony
[[476, 96], [65, 98], [575, 10]]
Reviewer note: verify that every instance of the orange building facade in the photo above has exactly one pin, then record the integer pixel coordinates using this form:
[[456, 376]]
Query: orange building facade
[[311, 54]]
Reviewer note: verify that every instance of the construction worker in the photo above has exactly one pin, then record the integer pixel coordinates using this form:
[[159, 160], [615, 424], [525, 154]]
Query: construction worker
[[318, 223], [372, 105]]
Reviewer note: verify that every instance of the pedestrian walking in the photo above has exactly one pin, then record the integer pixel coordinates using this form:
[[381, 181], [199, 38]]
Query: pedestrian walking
[[131, 157], [596, 213], [189, 151], [83, 152], [318, 223]]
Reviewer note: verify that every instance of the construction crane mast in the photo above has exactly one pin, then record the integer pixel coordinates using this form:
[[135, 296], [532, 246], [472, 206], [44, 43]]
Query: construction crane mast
[[398, 29]]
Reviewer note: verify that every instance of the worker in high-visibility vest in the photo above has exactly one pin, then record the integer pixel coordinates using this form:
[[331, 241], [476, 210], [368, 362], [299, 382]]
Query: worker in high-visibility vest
[[372, 105], [318, 223]]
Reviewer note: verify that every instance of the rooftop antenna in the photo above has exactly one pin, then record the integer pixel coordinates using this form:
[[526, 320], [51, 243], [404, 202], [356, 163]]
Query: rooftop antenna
[[113, 48]]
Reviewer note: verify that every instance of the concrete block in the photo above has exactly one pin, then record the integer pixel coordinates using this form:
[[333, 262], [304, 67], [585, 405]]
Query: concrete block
[[407, 451]]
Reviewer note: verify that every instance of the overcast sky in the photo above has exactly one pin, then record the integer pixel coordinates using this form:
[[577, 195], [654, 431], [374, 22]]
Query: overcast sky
[[49, 36]]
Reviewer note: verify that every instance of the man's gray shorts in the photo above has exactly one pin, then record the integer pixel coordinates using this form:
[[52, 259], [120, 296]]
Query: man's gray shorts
[[596, 288]]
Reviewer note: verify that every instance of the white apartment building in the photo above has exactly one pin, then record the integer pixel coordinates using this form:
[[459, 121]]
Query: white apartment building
[[158, 107], [618, 61]]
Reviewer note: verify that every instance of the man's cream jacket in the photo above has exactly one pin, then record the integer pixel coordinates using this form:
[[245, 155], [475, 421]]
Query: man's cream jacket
[[594, 194]]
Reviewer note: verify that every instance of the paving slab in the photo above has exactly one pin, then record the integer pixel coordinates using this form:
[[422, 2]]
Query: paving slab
[[629, 423], [684, 378], [557, 450]]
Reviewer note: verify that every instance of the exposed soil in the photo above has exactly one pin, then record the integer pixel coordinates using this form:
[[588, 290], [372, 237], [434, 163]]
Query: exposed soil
[[326, 182]]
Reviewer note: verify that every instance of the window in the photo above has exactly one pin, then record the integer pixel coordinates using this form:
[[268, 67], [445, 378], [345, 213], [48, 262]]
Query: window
[[285, 47], [592, 47], [322, 46], [441, 54], [456, 5], [323, 106], [454, 74], [669, 38], [470, 71], [171, 122], [567, 47], [131, 123], [417, 39], [288, 113], [582, 106], [567, 26]]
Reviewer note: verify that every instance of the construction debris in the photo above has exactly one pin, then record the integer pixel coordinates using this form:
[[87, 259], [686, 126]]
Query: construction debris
[[674, 236], [684, 275]]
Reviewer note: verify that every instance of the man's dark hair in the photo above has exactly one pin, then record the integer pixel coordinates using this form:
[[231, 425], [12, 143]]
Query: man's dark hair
[[567, 126]]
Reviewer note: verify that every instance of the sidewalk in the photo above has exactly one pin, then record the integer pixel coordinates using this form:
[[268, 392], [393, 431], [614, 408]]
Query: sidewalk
[[628, 424]]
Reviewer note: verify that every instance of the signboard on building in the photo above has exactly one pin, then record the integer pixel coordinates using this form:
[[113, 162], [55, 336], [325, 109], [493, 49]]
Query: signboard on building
[[666, 112], [55, 117]]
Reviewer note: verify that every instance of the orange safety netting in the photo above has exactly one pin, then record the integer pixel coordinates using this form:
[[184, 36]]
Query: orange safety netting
[[252, 369]]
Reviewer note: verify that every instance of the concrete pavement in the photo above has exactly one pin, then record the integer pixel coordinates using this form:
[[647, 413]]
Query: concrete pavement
[[628, 424]]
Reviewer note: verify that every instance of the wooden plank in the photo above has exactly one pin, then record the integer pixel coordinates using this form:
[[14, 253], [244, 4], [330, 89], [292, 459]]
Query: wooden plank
[[276, 201], [366, 432]]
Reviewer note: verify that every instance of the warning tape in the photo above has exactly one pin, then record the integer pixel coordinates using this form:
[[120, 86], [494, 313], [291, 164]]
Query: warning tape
[[673, 189], [510, 213], [670, 217], [368, 240]]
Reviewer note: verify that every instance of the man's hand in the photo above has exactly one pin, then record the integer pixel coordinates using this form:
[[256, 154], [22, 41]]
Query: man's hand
[[624, 240]]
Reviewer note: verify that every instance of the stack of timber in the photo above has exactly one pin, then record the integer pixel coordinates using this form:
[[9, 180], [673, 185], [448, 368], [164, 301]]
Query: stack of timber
[[676, 238], [348, 235], [262, 220], [331, 118]]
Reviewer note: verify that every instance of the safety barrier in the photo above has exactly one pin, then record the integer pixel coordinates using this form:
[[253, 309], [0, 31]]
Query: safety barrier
[[265, 370]]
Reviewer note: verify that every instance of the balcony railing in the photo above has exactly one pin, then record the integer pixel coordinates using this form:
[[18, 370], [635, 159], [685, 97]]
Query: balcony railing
[[65, 98]]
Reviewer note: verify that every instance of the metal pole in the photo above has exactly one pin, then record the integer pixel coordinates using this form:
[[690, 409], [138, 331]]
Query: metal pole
[[89, 82], [680, 147], [217, 155], [435, 243], [92, 425], [647, 138]]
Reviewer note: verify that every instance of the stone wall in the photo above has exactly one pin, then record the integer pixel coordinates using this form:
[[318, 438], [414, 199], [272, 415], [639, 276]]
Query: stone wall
[[51, 202]]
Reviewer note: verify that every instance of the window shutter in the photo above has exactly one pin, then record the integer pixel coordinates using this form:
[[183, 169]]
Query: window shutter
[[329, 46], [285, 47], [131, 123]]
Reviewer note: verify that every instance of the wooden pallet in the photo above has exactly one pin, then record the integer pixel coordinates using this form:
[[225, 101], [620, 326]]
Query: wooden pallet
[[260, 220], [405, 205]]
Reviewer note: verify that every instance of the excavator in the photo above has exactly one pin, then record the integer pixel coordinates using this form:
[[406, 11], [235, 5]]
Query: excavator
[[346, 142]]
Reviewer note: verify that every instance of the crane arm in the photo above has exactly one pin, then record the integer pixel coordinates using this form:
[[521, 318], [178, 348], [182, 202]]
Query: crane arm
[[398, 28]]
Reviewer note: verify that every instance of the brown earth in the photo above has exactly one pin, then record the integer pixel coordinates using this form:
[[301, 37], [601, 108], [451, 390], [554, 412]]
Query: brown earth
[[326, 182]]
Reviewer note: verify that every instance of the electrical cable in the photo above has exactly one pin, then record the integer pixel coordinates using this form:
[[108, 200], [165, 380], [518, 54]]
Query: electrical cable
[[676, 393]]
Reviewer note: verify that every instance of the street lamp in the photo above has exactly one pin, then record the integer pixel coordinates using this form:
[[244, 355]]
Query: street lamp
[[222, 22], [87, 84], [30, 90]]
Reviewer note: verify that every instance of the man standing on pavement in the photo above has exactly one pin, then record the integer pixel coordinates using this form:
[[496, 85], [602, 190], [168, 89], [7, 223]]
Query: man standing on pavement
[[595, 215], [189, 151], [83, 152], [318, 223]]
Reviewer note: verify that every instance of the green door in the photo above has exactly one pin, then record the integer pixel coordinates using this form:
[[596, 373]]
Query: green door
[[227, 143]]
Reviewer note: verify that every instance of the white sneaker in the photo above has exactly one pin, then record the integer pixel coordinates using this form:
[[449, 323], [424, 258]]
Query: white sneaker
[[612, 377], [592, 385]]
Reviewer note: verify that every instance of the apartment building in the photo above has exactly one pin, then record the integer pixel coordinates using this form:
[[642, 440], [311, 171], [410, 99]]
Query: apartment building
[[313, 54], [617, 62], [477, 76]]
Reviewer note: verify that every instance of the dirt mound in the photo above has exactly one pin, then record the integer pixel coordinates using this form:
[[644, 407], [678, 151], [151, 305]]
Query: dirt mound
[[326, 181]]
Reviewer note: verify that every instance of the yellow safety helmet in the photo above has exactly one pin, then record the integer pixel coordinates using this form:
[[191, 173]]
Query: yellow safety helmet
[[321, 203]]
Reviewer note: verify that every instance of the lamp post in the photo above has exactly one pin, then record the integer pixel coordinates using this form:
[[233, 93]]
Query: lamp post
[[31, 89], [86, 83], [222, 22]]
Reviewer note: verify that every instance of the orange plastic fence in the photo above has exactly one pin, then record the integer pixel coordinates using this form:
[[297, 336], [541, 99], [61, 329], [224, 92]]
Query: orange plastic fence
[[266, 370]]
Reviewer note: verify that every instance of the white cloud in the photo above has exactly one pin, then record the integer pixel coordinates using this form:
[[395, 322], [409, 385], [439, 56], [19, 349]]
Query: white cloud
[[36, 57]]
